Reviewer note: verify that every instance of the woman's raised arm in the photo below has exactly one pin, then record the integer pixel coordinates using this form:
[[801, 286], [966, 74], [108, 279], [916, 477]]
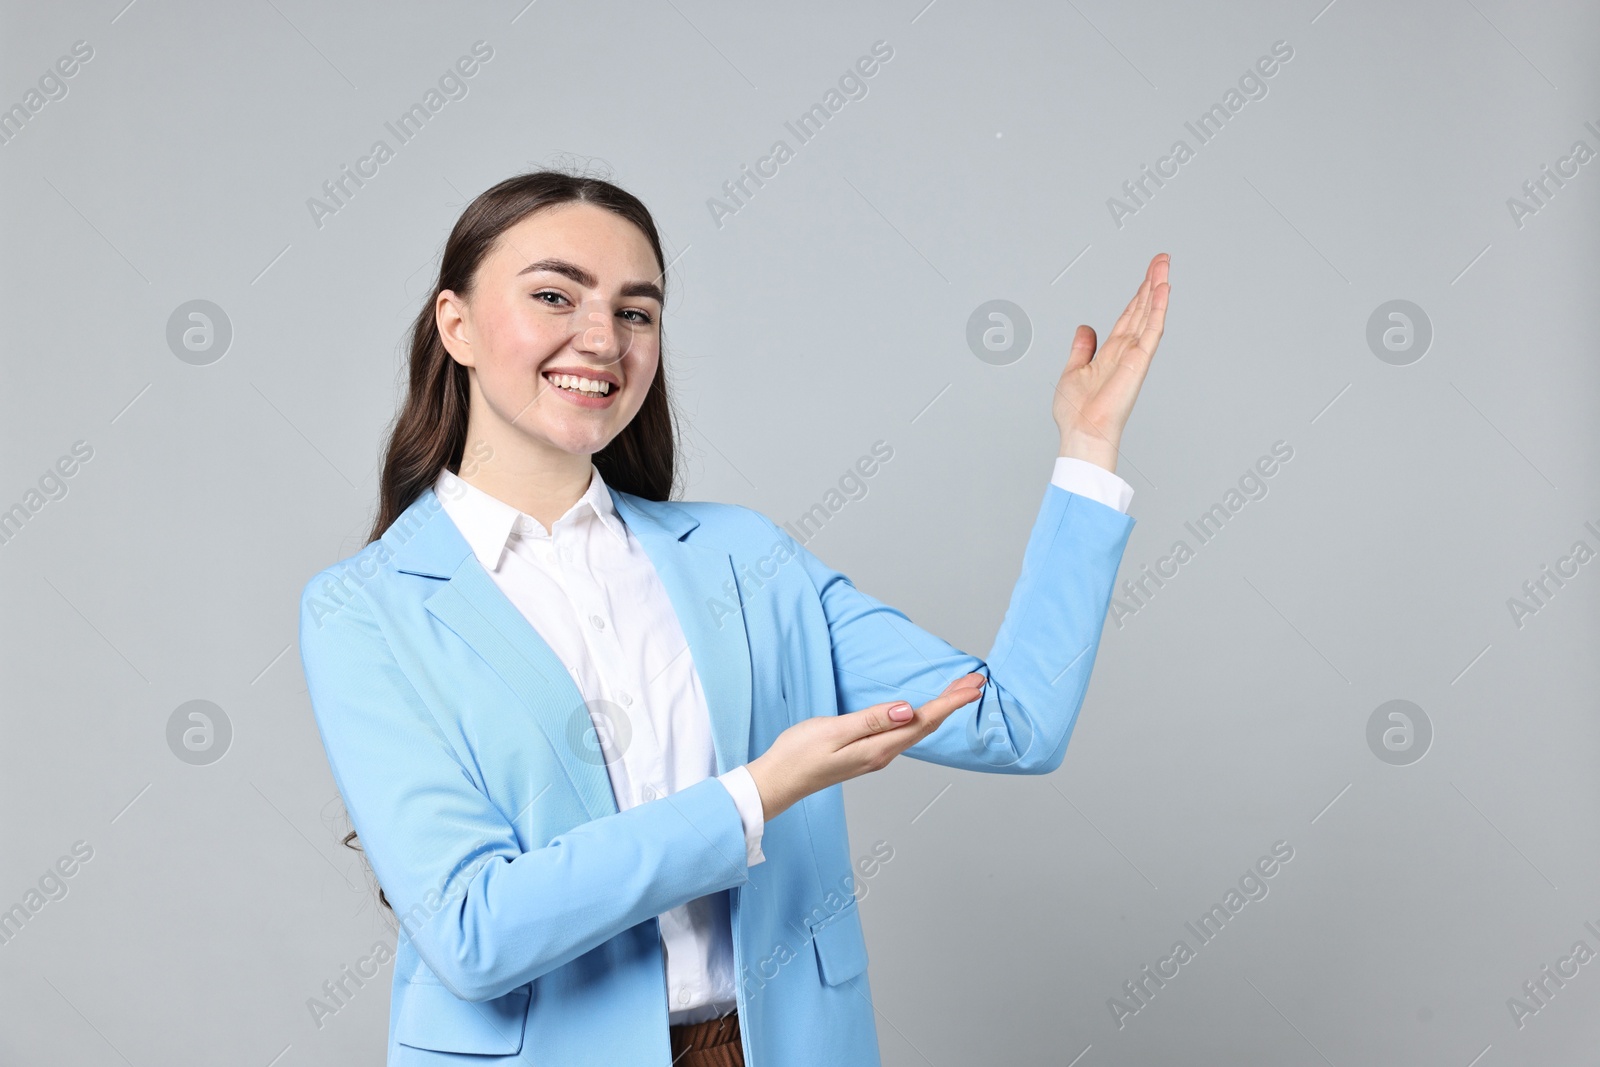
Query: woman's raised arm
[[1034, 681]]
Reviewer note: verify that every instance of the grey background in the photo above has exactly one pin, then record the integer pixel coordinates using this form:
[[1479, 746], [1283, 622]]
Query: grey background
[[1228, 713]]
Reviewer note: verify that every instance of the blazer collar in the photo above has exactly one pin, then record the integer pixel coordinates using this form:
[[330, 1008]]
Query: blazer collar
[[488, 523], [699, 580], [424, 541]]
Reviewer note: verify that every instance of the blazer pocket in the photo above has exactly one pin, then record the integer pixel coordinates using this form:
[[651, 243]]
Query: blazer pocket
[[841, 948], [435, 1018]]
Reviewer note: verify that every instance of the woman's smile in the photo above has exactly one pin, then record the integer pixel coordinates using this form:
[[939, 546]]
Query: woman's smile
[[586, 388]]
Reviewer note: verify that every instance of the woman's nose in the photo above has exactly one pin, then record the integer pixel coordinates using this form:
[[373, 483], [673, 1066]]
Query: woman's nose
[[596, 332]]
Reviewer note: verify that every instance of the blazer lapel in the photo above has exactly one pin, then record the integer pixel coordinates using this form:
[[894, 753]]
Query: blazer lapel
[[426, 542], [701, 584], [475, 608]]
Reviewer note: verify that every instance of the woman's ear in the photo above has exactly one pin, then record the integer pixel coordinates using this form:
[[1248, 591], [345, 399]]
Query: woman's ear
[[450, 318]]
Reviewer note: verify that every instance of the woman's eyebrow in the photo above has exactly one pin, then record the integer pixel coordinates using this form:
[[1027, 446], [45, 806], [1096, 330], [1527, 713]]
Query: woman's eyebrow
[[587, 280]]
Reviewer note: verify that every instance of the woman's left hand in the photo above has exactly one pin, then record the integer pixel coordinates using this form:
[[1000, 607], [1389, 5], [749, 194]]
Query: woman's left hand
[[1096, 392]]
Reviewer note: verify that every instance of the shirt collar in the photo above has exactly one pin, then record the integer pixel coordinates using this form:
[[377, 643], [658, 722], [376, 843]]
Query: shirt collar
[[487, 523]]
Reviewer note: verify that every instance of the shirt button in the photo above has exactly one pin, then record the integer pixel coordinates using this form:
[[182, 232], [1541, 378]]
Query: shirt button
[[626, 699], [599, 623], [683, 995]]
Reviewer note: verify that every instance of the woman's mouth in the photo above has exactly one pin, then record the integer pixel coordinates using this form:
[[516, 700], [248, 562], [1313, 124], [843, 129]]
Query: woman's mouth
[[587, 392]]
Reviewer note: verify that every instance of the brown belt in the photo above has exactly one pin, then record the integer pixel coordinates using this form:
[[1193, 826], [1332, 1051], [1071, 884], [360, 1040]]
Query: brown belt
[[713, 1043]]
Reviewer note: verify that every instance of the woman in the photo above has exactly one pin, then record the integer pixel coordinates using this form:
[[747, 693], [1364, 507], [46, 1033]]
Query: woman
[[592, 740]]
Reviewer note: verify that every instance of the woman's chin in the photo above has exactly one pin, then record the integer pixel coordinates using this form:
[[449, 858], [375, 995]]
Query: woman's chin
[[580, 443]]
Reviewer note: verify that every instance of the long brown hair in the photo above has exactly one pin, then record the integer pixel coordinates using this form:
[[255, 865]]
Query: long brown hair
[[430, 430]]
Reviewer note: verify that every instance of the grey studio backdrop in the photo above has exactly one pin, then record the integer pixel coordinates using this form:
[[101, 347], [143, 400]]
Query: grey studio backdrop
[[1371, 425]]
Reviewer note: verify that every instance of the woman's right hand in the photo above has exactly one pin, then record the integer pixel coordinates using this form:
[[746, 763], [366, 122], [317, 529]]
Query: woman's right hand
[[828, 749]]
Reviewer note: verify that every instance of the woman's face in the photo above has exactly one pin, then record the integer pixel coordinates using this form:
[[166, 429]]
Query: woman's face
[[571, 290]]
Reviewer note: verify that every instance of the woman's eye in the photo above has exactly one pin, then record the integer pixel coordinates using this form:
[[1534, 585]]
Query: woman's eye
[[643, 317]]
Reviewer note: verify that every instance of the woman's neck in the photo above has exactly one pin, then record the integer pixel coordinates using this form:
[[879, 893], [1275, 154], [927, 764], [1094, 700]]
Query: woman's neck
[[544, 486]]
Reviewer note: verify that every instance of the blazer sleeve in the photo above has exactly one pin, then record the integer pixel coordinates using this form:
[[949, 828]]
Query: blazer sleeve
[[484, 915], [1038, 670]]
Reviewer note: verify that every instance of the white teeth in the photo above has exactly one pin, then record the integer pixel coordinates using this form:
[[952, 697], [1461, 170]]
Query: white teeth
[[575, 384]]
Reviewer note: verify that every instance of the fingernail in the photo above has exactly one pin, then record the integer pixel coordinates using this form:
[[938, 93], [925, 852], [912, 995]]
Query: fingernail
[[900, 712]]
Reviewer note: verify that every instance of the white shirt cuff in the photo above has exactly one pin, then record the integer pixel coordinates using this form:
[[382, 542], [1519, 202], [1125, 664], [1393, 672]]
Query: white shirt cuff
[[1092, 481], [747, 798]]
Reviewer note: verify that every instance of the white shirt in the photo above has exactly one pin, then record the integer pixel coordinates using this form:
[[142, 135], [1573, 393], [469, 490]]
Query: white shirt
[[588, 588]]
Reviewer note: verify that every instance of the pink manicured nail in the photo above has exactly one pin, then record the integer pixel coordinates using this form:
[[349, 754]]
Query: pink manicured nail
[[900, 712]]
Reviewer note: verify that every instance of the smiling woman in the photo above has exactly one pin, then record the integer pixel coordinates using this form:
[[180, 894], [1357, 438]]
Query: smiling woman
[[498, 323], [562, 350], [561, 767]]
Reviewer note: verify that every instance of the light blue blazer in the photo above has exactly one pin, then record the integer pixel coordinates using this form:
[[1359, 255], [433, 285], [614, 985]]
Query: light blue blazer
[[527, 902]]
